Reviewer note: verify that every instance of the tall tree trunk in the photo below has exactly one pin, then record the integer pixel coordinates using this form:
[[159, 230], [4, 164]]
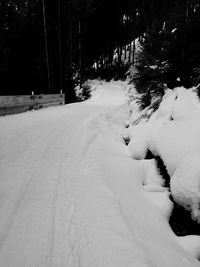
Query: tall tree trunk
[[97, 62], [119, 50], [70, 43], [46, 45], [119, 55], [185, 36], [133, 52], [130, 52], [60, 46], [125, 57], [80, 51]]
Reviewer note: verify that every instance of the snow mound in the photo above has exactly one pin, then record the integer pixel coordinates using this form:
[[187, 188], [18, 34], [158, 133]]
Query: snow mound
[[186, 105], [185, 184], [153, 179], [165, 107], [174, 140], [173, 133], [138, 143], [160, 200], [190, 244]]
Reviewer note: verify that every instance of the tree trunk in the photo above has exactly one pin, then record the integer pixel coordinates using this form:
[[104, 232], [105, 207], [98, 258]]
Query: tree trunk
[[60, 47], [70, 43], [46, 45], [185, 36], [130, 52], [80, 51], [133, 52], [119, 54]]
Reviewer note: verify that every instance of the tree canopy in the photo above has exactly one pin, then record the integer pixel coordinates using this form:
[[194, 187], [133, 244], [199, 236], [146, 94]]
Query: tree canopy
[[46, 46]]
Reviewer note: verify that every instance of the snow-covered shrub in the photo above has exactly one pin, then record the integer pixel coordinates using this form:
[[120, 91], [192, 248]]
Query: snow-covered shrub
[[140, 106], [197, 79], [151, 68], [84, 91], [144, 100], [197, 90], [149, 85], [173, 133]]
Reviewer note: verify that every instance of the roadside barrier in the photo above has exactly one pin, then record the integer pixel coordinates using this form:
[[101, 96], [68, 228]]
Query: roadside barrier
[[22, 103]]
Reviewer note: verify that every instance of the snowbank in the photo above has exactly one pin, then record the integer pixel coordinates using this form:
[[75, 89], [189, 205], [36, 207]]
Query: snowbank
[[190, 244], [185, 183], [173, 133]]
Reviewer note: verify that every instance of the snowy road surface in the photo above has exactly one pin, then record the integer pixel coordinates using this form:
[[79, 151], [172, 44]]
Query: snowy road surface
[[70, 195]]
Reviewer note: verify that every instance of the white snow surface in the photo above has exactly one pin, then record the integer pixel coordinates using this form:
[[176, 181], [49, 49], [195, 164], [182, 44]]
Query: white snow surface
[[71, 195], [173, 133], [185, 183]]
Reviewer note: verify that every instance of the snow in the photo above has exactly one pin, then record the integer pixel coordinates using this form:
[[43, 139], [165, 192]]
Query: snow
[[72, 195], [153, 178], [172, 133], [160, 199], [137, 145], [184, 191], [173, 141], [174, 30], [177, 142], [103, 95], [190, 244]]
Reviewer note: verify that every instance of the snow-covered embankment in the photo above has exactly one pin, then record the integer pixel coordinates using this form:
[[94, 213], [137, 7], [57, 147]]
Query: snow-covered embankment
[[71, 195], [172, 134]]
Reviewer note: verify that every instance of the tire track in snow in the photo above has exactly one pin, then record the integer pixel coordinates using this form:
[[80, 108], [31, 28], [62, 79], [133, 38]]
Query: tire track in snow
[[27, 185], [12, 154], [20, 132], [24, 190], [53, 258], [35, 115], [53, 209], [43, 144], [18, 202]]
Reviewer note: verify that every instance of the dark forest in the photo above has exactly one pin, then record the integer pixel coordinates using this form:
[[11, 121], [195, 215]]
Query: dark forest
[[48, 46]]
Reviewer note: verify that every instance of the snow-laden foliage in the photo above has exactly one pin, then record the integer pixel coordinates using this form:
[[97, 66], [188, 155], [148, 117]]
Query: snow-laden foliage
[[83, 91]]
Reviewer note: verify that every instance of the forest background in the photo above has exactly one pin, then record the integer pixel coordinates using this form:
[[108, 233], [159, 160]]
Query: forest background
[[48, 46]]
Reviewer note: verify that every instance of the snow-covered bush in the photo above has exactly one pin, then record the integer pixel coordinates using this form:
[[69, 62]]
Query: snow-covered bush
[[197, 90], [84, 91], [197, 78], [173, 134]]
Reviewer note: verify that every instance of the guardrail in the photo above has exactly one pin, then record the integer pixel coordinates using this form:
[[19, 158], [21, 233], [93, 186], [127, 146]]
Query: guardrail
[[22, 103]]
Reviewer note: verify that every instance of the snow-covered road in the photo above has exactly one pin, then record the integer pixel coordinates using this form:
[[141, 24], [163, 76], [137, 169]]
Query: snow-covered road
[[70, 195]]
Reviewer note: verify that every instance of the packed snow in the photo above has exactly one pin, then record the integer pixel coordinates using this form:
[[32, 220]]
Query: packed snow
[[73, 194]]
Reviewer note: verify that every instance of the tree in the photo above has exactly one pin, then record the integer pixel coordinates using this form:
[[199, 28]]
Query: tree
[[46, 44], [67, 41]]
